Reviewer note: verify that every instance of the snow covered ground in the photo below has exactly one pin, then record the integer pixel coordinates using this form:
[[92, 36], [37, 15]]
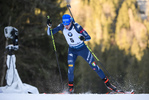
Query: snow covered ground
[[74, 96]]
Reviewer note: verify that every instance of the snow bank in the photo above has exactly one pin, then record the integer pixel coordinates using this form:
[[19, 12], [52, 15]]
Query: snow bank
[[74, 96]]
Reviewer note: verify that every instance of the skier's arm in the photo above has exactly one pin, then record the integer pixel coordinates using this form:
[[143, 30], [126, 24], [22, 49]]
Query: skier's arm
[[55, 30], [82, 32]]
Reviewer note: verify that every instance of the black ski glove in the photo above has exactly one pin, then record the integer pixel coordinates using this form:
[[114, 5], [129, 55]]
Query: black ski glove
[[82, 38], [49, 22]]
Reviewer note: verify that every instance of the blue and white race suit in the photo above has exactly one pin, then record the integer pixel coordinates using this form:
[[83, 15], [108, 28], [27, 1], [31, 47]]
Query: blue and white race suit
[[77, 48]]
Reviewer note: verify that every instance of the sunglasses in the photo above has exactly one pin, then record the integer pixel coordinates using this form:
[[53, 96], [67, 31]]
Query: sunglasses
[[67, 24]]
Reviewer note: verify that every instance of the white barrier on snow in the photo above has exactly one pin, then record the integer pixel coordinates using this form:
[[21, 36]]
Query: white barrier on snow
[[14, 83]]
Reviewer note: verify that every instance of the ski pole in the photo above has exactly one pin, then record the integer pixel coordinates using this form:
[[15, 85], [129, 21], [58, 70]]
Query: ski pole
[[102, 65], [57, 59], [68, 6]]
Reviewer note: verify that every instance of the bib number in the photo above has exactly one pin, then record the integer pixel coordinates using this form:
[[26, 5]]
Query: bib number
[[72, 40]]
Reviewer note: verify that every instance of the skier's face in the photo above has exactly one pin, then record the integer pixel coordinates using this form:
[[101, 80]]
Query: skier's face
[[67, 26]]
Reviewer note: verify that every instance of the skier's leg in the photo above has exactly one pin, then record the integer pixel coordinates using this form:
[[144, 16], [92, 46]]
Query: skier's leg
[[86, 54], [71, 63]]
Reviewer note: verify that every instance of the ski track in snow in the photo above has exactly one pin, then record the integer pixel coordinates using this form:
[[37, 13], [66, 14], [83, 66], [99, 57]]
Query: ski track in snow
[[74, 96]]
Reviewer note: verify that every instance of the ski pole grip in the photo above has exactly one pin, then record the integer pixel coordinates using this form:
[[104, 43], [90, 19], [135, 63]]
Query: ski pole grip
[[68, 6]]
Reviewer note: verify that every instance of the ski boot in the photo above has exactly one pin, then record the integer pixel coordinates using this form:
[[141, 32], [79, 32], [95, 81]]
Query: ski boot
[[70, 89], [109, 85]]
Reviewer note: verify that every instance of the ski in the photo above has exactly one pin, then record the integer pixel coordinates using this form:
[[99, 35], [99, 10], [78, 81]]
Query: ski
[[64, 92], [121, 92]]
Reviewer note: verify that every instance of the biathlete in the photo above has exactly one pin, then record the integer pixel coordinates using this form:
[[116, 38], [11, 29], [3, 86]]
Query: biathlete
[[75, 36]]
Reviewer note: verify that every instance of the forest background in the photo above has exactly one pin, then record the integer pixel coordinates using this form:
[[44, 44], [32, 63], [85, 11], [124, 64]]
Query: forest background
[[119, 38]]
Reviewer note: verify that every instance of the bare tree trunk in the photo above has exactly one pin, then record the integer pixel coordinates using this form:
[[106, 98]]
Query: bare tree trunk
[[4, 66], [5, 58]]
